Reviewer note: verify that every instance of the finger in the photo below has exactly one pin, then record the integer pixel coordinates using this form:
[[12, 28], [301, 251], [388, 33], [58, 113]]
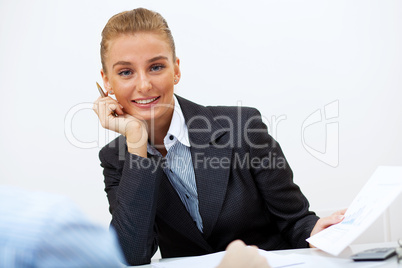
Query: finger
[[113, 109], [95, 107], [253, 249], [262, 262], [114, 106], [236, 244], [331, 220], [119, 109], [254, 258], [100, 109], [111, 106], [105, 111], [341, 212]]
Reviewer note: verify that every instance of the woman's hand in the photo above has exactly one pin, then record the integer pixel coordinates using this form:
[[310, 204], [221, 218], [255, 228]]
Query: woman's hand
[[324, 223], [132, 128], [238, 255]]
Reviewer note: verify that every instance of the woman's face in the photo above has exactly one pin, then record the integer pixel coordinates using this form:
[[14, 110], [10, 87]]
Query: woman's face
[[141, 72]]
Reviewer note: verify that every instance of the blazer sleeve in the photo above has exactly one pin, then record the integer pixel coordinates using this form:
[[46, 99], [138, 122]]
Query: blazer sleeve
[[274, 178], [132, 188]]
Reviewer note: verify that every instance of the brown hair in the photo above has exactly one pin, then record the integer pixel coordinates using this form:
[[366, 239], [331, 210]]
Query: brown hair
[[133, 21]]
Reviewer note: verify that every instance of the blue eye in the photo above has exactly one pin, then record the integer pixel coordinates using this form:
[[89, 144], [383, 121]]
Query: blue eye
[[125, 73], [157, 67]]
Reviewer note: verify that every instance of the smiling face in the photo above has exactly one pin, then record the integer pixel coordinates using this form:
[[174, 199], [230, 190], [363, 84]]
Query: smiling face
[[141, 72]]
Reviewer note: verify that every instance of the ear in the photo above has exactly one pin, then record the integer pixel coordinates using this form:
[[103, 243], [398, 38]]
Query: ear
[[105, 80], [177, 73]]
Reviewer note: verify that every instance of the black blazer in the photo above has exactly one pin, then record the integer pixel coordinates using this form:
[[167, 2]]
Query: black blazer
[[244, 183]]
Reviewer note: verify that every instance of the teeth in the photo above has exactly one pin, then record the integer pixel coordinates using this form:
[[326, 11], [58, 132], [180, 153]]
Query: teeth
[[145, 101]]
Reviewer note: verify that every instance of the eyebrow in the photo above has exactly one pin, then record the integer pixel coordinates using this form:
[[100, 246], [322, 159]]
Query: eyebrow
[[121, 63], [157, 58], [148, 61]]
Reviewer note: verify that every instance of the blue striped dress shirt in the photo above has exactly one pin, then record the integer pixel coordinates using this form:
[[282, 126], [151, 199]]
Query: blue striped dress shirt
[[178, 166]]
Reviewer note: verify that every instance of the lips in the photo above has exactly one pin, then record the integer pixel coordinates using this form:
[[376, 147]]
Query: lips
[[145, 101]]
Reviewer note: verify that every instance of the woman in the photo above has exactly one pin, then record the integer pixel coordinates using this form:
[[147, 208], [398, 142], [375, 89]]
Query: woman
[[188, 178]]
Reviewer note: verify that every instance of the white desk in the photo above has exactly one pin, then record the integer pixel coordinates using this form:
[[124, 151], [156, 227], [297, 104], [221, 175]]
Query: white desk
[[342, 260]]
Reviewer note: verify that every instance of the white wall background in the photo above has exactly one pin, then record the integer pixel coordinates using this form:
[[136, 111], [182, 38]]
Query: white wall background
[[287, 58]]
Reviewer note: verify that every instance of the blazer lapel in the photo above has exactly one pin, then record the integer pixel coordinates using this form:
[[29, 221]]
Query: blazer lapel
[[172, 211], [211, 162]]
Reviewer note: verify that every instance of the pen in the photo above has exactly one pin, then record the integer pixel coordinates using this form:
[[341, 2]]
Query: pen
[[104, 95]]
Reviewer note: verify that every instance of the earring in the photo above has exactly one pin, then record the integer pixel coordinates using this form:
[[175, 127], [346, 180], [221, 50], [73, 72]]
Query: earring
[[175, 81], [110, 91]]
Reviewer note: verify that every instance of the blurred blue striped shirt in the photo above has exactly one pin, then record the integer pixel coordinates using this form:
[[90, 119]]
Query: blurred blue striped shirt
[[39, 229]]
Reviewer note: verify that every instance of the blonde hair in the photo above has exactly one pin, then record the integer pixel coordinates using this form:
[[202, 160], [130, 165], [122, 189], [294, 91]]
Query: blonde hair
[[134, 21]]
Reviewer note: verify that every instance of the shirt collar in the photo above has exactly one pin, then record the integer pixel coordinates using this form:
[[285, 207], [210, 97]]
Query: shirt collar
[[178, 130]]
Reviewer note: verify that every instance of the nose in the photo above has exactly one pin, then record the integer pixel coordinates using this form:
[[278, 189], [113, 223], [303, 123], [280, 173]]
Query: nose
[[144, 83]]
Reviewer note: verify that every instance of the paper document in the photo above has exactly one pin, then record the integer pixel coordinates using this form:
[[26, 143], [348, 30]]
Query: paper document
[[314, 261], [210, 260], [378, 193], [213, 260]]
